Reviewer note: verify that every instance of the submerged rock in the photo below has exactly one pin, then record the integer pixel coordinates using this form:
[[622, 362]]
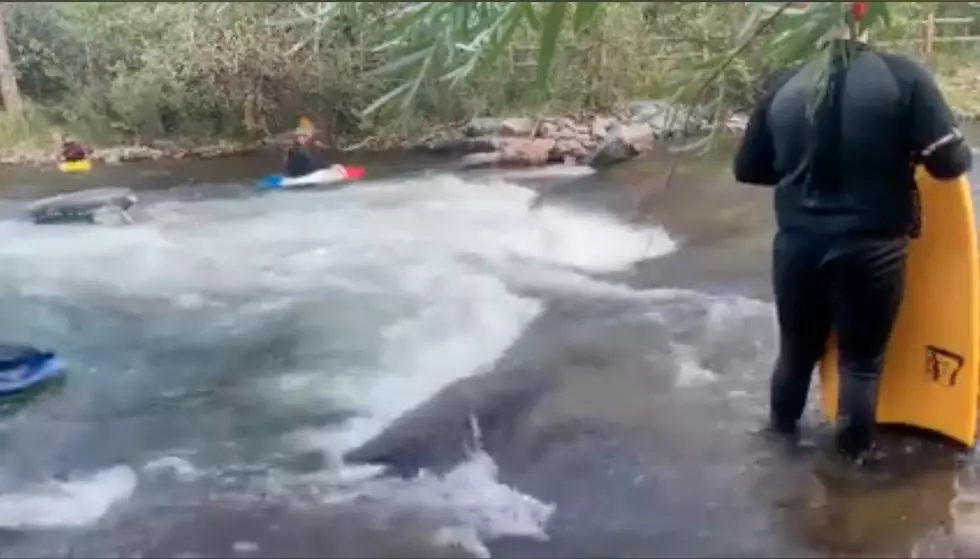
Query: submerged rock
[[442, 432]]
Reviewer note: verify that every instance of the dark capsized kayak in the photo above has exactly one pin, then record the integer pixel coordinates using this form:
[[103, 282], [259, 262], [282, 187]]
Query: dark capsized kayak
[[81, 206]]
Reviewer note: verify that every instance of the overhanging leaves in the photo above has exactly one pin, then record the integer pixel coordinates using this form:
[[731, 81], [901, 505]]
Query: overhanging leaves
[[464, 36], [554, 17], [447, 42]]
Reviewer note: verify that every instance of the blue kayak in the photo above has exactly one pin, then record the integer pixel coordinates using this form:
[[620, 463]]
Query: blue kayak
[[22, 367]]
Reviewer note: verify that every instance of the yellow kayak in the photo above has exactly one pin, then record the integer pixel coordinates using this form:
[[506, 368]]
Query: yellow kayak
[[74, 166]]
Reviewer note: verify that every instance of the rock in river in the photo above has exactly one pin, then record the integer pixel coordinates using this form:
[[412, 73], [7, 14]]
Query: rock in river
[[624, 143]]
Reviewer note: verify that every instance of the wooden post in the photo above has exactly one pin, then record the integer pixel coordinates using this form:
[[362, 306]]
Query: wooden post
[[930, 31], [12, 101]]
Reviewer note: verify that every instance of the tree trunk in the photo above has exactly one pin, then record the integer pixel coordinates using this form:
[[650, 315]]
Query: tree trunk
[[9, 91]]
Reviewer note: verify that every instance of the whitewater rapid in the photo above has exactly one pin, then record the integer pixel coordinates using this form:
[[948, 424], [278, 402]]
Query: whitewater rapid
[[382, 294]]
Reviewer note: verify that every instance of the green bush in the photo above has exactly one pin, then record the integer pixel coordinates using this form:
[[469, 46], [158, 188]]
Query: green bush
[[138, 71]]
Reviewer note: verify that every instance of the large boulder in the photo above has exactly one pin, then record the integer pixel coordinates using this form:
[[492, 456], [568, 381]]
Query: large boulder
[[666, 120], [573, 150], [601, 126], [547, 129], [527, 152], [459, 146], [514, 152], [481, 160], [509, 127], [622, 144]]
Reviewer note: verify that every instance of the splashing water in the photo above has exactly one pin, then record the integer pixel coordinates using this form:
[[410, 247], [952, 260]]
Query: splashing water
[[224, 330]]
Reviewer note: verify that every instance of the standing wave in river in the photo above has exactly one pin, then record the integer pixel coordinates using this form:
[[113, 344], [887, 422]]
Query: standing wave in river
[[225, 348]]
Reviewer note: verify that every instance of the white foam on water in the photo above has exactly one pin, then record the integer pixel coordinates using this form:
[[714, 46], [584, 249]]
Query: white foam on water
[[689, 371], [406, 281], [244, 546], [731, 311], [468, 502], [452, 352], [176, 467], [546, 172], [452, 225], [711, 337], [295, 238], [505, 226], [75, 503]]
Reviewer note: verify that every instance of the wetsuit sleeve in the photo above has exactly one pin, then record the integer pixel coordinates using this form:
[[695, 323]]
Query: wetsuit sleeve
[[755, 161], [936, 140], [756, 156]]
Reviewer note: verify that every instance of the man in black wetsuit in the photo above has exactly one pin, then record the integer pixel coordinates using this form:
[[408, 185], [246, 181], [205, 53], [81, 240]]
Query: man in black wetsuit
[[845, 200], [300, 157]]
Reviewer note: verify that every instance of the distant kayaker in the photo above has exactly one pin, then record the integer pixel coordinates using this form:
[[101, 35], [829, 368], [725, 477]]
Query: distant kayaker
[[72, 149], [845, 202], [301, 156]]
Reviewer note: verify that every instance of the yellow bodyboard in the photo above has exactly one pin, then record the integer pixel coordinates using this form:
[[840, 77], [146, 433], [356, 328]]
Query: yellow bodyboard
[[930, 380], [74, 166]]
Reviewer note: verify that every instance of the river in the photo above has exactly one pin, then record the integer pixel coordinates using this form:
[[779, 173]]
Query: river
[[579, 377]]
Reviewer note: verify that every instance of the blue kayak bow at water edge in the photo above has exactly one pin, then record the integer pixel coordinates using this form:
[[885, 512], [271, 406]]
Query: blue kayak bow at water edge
[[22, 367]]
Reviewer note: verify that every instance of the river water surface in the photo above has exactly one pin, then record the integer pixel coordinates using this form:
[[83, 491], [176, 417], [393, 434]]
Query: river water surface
[[612, 343]]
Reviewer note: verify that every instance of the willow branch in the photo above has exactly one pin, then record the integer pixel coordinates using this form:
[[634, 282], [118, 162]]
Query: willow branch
[[732, 56]]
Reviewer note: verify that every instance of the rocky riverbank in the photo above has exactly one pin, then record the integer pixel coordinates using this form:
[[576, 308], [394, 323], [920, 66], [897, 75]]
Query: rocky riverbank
[[598, 140], [152, 151]]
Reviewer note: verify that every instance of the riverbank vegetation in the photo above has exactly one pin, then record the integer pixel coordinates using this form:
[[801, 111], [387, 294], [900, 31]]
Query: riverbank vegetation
[[373, 72]]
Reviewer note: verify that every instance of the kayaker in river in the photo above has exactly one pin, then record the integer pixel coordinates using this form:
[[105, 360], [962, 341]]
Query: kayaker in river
[[72, 149], [845, 202], [301, 158]]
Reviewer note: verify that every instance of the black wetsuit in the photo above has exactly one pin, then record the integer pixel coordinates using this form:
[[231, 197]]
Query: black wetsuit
[[845, 202], [300, 161]]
